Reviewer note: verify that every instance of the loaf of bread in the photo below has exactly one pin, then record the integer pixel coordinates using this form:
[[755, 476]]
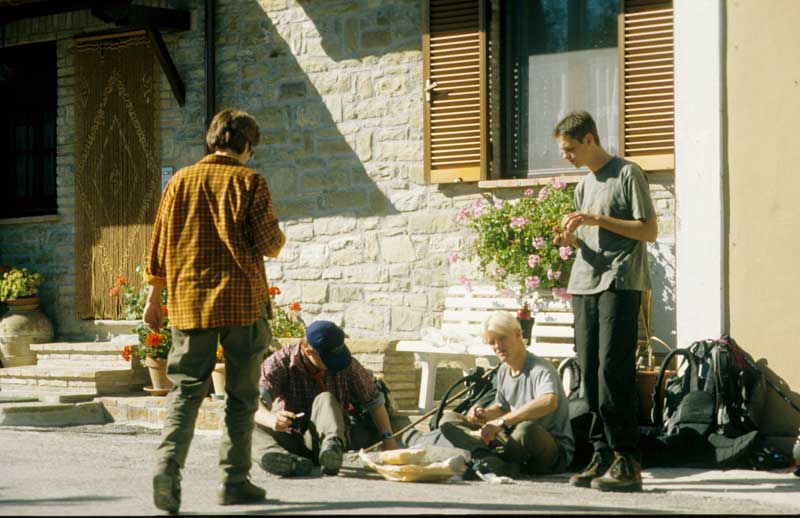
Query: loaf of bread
[[403, 457]]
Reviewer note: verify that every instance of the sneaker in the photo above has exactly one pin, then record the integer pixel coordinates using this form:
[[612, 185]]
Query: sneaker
[[601, 461], [330, 456], [285, 464], [490, 463], [625, 474], [167, 487], [244, 492]]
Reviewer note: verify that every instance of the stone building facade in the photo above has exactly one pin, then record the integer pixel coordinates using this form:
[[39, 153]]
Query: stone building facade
[[338, 91]]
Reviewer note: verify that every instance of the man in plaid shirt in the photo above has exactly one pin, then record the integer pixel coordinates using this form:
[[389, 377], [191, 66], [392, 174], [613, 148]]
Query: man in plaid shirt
[[214, 226], [306, 392]]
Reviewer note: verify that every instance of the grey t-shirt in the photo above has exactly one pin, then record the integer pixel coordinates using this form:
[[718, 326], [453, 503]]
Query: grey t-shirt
[[537, 378], [618, 189]]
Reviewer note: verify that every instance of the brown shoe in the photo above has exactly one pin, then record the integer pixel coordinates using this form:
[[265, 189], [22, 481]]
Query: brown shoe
[[625, 474], [601, 461], [167, 487]]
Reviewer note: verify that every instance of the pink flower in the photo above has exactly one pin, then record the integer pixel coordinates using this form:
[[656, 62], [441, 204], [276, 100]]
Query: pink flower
[[518, 222], [553, 275], [538, 243], [543, 192], [498, 204], [558, 184], [528, 192], [533, 260], [501, 272], [463, 213], [452, 256], [565, 252], [505, 292], [532, 282], [465, 282], [561, 293]]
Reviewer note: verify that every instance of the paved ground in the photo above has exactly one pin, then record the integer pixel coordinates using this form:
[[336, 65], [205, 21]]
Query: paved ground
[[105, 470]]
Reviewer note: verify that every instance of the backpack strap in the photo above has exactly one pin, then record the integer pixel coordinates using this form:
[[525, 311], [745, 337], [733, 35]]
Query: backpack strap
[[658, 396]]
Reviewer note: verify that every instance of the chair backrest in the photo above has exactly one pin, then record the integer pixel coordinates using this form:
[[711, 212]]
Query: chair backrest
[[465, 310]]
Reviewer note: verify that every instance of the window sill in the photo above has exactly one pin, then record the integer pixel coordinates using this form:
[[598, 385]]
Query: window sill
[[515, 183], [48, 218]]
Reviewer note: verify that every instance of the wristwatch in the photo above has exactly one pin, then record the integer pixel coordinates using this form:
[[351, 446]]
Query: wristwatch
[[501, 423], [387, 435]]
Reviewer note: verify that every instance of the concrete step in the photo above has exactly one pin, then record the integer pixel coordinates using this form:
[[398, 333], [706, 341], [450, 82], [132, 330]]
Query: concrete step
[[87, 355], [39, 413], [100, 330], [37, 379]]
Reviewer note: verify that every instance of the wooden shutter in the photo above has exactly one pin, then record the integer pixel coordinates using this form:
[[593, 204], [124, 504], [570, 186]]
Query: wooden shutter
[[455, 99], [647, 79]]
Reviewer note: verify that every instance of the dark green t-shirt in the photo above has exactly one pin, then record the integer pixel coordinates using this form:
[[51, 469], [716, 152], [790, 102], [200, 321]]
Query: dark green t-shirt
[[619, 189]]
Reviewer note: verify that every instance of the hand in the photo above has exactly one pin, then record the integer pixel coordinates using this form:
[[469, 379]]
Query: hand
[[283, 421], [476, 415], [390, 444], [152, 316], [565, 239], [488, 432]]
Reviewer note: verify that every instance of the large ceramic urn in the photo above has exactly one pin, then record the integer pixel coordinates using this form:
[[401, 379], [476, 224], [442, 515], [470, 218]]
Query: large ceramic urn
[[22, 326]]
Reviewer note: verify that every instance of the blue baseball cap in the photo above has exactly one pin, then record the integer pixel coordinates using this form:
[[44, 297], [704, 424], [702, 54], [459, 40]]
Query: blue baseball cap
[[327, 339]]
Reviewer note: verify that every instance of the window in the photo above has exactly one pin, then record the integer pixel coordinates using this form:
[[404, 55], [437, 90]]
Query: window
[[28, 122], [613, 58], [560, 55]]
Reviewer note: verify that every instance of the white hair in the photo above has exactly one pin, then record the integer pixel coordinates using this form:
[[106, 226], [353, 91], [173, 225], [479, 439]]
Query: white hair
[[503, 323]]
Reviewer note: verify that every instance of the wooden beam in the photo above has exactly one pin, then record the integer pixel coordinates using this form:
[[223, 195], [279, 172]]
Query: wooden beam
[[167, 65]]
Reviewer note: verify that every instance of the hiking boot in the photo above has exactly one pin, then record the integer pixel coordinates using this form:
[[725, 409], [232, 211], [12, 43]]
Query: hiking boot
[[601, 461], [330, 456], [244, 492], [625, 474], [285, 464], [167, 487]]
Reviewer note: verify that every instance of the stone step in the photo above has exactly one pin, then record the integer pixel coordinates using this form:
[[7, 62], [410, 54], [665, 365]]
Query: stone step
[[108, 348], [39, 413], [99, 330], [35, 379], [90, 362]]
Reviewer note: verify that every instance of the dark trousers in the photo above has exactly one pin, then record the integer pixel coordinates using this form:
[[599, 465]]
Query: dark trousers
[[606, 328]]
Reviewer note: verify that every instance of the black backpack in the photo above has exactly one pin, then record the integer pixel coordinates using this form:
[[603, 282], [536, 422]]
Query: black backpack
[[720, 391]]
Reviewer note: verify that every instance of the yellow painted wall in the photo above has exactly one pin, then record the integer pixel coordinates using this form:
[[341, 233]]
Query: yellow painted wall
[[763, 101]]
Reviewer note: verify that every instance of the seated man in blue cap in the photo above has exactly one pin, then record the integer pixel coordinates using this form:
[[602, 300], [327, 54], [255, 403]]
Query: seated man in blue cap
[[306, 392]]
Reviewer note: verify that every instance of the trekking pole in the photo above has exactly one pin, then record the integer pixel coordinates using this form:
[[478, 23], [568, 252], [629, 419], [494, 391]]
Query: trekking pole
[[433, 410]]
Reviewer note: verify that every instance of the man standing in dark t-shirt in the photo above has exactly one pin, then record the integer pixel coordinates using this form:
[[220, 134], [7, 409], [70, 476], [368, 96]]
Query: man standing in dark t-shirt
[[614, 218]]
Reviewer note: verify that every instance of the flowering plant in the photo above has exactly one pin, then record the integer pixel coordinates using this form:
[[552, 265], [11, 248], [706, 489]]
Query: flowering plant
[[19, 283], [286, 323], [220, 353], [514, 241], [151, 343], [133, 300]]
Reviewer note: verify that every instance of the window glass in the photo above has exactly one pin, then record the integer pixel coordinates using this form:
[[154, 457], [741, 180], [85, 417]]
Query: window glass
[[561, 55]]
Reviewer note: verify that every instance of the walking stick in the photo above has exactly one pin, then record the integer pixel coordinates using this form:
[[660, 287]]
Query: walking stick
[[433, 410]]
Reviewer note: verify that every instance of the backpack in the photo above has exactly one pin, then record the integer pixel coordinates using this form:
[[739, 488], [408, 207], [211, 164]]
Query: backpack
[[359, 416], [719, 391]]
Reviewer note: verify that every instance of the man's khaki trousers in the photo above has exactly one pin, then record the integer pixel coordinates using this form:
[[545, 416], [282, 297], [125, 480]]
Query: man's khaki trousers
[[189, 365]]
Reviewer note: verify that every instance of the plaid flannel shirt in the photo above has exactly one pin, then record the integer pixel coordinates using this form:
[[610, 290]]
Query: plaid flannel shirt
[[286, 379], [214, 226]]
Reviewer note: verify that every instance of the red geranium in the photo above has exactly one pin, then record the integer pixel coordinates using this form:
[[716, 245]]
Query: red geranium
[[295, 306], [126, 353], [274, 291], [153, 339], [164, 311]]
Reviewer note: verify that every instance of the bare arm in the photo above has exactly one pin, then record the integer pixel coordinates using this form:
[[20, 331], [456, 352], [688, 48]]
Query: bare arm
[[152, 315], [280, 422], [541, 406], [381, 419]]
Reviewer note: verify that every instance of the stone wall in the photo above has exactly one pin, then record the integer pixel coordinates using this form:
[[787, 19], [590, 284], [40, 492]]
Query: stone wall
[[337, 89]]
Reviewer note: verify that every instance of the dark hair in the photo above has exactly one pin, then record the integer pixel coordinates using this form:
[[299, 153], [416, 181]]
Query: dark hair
[[576, 125], [232, 129]]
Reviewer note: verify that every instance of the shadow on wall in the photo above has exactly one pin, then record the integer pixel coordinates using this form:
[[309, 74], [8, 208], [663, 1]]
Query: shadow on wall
[[662, 273], [318, 118]]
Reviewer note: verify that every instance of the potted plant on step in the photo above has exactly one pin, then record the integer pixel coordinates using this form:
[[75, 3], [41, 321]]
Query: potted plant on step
[[22, 324], [218, 374], [152, 349]]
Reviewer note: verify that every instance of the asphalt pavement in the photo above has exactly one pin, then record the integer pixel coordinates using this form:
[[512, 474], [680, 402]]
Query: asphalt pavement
[[106, 470]]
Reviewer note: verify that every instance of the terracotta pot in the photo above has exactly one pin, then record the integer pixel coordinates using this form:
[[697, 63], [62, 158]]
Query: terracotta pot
[[158, 373], [646, 381], [24, 303], [218, 377]]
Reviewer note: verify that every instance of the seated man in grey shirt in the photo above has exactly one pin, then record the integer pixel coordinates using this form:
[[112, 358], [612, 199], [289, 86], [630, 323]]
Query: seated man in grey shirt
[[528, 423]]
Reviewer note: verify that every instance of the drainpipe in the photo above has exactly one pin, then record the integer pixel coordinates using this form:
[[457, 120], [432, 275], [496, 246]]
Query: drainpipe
[[211, 83]]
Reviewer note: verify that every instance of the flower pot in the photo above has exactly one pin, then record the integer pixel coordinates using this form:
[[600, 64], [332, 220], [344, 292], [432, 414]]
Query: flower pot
[[158, 375], [218, 377], [22, 326], [646, 381]]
